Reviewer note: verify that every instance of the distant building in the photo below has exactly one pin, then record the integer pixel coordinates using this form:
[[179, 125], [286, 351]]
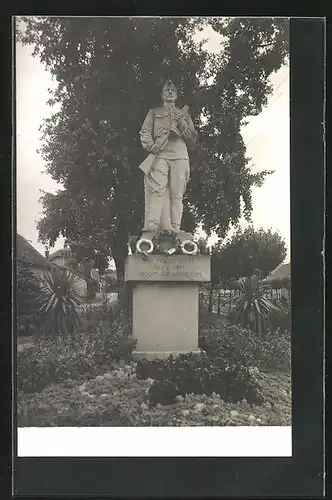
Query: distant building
[[282, 272], [61, 257], [64, 258], [27, 255]]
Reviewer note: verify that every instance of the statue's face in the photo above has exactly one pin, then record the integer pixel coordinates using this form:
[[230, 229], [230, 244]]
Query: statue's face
[[169, 93]]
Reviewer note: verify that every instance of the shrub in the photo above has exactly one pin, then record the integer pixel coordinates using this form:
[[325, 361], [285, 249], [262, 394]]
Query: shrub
[[60, 301], [110, 282], [252, 307], [106, 314], [281, 322], [239, 345], [163, 392], [202, 374], [28, 293], [71, 356]]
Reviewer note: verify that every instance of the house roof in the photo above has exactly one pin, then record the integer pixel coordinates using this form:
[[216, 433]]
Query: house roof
[[282, 271], [58, 253], [26, 253], [73, 271]]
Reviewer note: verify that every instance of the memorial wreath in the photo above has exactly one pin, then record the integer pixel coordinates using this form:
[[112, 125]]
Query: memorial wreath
[[166, 242], [189, 247], [144, 246]]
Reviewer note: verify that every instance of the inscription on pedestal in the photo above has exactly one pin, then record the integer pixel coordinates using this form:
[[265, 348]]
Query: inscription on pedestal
[[169, 268]]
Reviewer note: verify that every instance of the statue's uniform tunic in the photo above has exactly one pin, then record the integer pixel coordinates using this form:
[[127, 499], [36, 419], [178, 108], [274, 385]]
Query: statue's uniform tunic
[[166, 182]]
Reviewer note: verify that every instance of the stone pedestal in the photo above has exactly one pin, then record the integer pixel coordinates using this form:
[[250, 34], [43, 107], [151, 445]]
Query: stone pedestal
[[165, 303]]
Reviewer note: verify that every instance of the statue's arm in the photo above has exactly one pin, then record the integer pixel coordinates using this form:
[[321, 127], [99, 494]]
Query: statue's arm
[[188, 131], [147, 131]]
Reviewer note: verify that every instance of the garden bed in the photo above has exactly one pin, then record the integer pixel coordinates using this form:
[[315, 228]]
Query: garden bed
[[119, 398], [89, 379]]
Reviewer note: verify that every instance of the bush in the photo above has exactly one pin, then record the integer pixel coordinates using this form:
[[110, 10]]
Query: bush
[[110, 282], [28, 303], [72, 356], [202, 374], [281, 322], [106, 314], [60, 301], [239, 345], [252, 308], [163, 392]]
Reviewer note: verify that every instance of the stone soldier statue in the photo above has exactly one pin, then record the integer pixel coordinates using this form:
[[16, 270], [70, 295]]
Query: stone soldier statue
[[165, 134]]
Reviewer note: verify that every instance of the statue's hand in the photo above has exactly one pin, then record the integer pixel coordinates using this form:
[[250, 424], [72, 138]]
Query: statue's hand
[[155, 149], [180, 115]]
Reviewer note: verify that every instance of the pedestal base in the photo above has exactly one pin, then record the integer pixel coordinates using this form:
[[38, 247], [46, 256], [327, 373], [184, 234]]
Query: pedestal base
[[137, 355], [165, 317], [165, 303]]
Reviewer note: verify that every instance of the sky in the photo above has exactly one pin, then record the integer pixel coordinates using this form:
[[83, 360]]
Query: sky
[[267, 138]]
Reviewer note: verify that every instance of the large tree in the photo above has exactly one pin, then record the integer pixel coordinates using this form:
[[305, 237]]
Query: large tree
[[109, 72], [246, 253]]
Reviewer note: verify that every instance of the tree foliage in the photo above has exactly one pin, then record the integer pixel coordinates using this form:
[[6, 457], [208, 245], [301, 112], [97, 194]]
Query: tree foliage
[[109, 72], [247, 253]]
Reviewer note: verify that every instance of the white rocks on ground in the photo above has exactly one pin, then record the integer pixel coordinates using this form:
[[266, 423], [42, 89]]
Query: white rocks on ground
[[215, 418], [104, 396], [199, 407], [85, 395]]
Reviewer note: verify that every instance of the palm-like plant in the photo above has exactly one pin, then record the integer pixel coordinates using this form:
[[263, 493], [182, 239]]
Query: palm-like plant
[[252, 307], [61, 302]]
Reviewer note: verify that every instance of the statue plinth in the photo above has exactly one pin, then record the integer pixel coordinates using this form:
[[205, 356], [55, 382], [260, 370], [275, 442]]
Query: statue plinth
[[182, 235], [165, 302]]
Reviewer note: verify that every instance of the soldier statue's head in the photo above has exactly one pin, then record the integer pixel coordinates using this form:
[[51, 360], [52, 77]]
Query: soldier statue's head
[[170, 92]]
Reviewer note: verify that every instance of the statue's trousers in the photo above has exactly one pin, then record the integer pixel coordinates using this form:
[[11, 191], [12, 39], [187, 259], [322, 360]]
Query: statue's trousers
[[165, 185]]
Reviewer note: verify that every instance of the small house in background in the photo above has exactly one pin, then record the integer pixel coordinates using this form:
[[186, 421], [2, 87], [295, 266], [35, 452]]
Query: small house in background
[[280, 278], [61, 257], [283, 271], [40, 265], [88, 285]]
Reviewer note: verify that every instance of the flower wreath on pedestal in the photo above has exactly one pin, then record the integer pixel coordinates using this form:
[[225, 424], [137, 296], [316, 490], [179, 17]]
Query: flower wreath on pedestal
[[144, 246], [166, 242], [189, 247]]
